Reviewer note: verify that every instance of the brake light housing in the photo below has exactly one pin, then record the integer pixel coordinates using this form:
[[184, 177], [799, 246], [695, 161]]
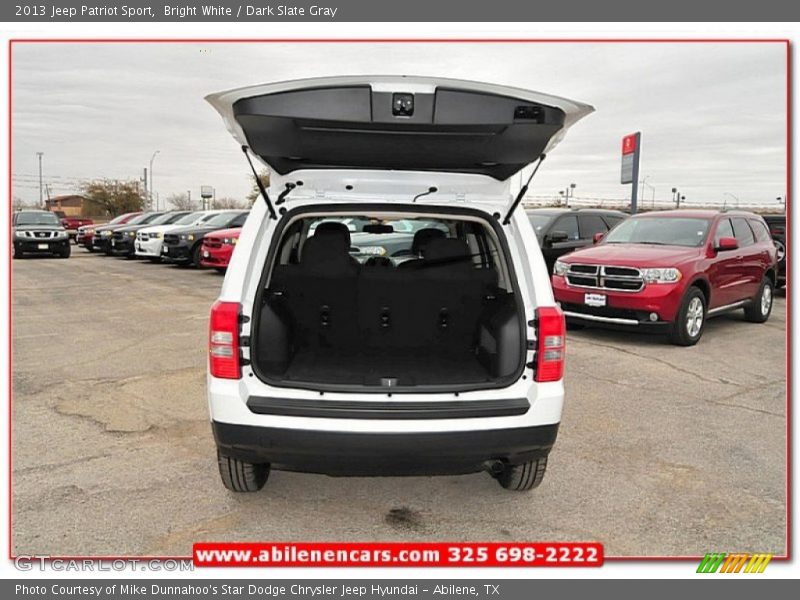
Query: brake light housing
[[223, 340], [550, 344]]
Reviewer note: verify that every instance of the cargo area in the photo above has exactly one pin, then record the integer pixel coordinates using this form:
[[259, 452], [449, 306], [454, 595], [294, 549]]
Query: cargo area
[[388, 302]]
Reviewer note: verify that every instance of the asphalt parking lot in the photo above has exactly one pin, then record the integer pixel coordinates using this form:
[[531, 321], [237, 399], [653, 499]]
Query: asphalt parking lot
[[663, 450]]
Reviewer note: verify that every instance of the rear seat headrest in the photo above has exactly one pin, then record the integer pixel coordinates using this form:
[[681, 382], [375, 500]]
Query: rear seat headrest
[[423, 237], [445, 248]]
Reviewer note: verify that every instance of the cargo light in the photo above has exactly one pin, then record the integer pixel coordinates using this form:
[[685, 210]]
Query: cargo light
[[223, 340], [550, 350]]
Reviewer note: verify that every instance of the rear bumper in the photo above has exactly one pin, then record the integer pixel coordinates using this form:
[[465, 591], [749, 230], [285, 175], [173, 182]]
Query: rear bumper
[[352, 453], [622, 308]]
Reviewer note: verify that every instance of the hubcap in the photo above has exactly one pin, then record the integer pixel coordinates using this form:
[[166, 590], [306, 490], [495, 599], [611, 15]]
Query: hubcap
[[694, 317], [766, 299]]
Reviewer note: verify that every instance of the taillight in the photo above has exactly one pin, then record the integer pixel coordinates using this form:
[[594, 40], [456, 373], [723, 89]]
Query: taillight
[[223, 340], [551, 334]]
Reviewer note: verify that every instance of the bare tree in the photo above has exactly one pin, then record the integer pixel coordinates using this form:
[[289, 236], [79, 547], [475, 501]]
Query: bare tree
[[114, 197], [254, 191], [223, 203], [181, 201]]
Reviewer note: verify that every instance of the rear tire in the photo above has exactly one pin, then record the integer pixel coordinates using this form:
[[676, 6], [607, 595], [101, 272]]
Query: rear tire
[[760, 308], [523, 477], [239, 476], [691, 320]]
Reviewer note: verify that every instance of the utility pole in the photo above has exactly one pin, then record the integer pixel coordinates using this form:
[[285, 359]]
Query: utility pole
[[189, 197], [152, 190], [146, 191], [41, 187]]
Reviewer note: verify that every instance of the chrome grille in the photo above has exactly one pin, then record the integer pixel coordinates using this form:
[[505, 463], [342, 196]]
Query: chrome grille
[[601, 277], [40, 235]]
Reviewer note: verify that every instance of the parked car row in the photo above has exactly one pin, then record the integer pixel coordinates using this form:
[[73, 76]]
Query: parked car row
[[171, 236]]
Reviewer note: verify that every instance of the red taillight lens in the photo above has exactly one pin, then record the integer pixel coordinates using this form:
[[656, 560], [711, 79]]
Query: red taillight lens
[[550, 344], [223, 340]]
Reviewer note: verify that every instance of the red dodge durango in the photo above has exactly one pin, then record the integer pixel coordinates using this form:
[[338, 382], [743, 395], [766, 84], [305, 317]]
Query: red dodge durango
[[670, 271]]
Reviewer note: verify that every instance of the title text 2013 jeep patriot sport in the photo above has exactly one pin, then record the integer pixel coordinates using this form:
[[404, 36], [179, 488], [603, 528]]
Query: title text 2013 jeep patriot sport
[[327, 353]]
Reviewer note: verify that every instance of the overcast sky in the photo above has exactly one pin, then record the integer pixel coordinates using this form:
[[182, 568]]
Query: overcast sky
[[712, 116]]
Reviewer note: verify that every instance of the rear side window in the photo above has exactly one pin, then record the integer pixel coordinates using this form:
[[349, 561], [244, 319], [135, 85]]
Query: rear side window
[[569, 225], [592, 224], [742, 232], [724, 229], [761, 231], [613, 221]]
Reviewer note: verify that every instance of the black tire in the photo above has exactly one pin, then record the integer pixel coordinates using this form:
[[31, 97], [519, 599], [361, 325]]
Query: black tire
[[89, 247], [683, 333], [239, 476], [16, 254], [759, 310], [155, 259], [221, 270], [65, 253], [523, 477], [196, 255]]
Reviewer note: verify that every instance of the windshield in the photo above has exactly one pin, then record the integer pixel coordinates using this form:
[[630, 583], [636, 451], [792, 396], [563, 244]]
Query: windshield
[[220, 219], [189, 219], [666, 231], [37, 218], [163, 219]]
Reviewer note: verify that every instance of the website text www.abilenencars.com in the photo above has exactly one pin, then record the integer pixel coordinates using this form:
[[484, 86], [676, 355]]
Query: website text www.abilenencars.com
[[46, 563]]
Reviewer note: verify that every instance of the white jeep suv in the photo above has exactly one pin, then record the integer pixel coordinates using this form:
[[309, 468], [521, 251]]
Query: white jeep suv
[[427, 341]]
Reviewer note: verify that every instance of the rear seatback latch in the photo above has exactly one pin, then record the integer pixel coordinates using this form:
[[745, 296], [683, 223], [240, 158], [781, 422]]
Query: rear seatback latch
[[386, 317], [325, 316]]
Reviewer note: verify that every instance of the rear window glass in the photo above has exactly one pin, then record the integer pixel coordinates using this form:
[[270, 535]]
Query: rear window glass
[[743, 233], [761, 231], [591, 224], [569, 225]]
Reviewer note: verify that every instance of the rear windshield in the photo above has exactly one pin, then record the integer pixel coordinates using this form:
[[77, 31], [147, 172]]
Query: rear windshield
[[661, 231], [391, 242], [37, 218]]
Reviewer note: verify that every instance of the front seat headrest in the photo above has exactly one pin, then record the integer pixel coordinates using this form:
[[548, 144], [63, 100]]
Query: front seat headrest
[[334, 228]]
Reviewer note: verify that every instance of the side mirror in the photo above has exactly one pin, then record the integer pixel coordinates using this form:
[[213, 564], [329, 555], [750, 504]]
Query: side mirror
[[727, 243], [556, 237], [598, 237]]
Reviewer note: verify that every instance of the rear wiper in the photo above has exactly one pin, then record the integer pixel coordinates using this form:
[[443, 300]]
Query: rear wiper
[[431, 190], [260, 185]]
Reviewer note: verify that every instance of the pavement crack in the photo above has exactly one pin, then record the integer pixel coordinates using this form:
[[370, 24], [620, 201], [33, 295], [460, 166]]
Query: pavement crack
[[653, 358]]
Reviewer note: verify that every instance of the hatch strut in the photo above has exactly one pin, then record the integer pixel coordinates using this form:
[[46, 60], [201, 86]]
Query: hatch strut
[[522, 191], [260, 185]]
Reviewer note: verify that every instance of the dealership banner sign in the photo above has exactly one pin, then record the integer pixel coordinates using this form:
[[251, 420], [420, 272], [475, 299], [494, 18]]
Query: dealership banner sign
[[410, 10]]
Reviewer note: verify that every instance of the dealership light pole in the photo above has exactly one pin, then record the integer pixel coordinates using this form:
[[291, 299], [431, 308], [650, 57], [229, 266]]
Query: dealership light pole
[[41, 187], [734, 197], [152, 158]]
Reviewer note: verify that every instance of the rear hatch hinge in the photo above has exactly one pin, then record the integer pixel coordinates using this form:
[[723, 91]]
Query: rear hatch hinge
[[522, 191]]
